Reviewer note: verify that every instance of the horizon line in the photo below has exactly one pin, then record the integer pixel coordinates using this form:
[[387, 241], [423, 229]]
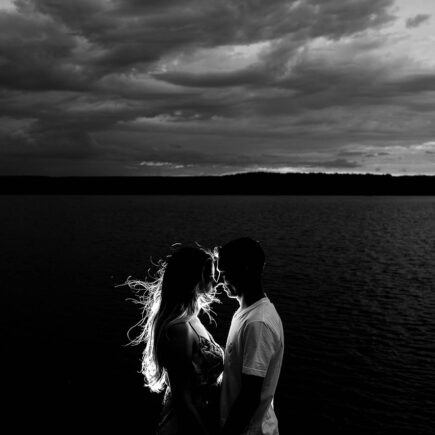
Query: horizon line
[[228, 174]]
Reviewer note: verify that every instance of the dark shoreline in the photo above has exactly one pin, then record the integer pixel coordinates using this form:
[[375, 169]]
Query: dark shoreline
[[239, 184]]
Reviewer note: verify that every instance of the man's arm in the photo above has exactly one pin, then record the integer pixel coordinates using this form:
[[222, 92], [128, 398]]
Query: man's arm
[[258, 349], [245, 405]]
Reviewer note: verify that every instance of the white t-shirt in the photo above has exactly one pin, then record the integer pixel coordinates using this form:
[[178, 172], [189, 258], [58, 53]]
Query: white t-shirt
[[255, 346]]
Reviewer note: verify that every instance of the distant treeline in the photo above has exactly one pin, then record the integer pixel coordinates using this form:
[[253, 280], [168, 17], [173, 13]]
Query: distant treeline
[[240, 184]]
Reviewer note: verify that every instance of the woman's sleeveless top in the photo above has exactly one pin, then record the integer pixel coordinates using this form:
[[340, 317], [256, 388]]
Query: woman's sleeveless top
[[208, 364]]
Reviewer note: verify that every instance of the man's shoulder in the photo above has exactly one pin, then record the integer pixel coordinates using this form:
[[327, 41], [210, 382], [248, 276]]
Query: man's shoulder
[[265, 312], [266, 315]]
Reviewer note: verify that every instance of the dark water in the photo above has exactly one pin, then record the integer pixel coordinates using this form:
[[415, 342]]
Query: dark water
[[352, 277]]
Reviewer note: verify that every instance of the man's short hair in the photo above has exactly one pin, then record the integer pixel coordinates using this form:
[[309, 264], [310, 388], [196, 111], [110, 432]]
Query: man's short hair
[[242, 253]]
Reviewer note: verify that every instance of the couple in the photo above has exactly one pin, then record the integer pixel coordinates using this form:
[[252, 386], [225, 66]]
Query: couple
[[207, 390]]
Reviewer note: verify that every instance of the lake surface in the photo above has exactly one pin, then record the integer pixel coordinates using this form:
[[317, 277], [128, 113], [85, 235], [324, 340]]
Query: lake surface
[[352, 278]]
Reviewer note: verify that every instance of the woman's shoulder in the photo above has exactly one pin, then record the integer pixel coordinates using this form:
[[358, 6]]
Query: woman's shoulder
[[178, 341], [179, 330], [178, 327]]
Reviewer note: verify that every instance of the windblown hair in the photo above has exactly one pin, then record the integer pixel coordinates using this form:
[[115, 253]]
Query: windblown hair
[[174, 293]]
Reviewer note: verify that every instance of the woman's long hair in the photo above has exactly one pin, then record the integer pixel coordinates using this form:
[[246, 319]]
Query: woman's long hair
[[174, 293]]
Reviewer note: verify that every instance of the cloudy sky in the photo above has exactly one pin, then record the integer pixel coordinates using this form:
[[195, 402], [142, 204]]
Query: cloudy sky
[[190, 87]]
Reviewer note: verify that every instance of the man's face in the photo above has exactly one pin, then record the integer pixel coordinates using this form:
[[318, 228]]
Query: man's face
[[228, 284]]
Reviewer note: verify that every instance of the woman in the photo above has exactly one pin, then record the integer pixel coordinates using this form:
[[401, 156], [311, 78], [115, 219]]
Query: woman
[[180, 356]]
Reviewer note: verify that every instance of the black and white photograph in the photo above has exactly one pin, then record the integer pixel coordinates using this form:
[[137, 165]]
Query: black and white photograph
[[217, 217]]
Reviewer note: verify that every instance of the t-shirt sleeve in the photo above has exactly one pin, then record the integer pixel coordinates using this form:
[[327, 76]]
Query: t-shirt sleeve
[[258, 348]]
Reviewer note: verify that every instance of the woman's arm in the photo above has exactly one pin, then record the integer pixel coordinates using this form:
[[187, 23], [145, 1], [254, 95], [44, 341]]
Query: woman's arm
[[180, 371]]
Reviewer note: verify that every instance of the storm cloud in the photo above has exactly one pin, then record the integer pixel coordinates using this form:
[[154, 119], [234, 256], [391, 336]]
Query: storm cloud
[[417, 20], [99, 87]]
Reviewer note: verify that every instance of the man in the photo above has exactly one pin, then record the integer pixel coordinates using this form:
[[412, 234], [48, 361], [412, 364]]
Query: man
[[255, 344]]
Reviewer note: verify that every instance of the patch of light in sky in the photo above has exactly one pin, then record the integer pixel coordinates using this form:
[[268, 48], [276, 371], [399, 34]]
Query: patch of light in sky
[[418, 42], [407, 9], [213, 60], [7, 5], [409, 49]]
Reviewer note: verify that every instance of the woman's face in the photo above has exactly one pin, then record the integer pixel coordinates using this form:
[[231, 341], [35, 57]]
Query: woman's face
[[208, 275]]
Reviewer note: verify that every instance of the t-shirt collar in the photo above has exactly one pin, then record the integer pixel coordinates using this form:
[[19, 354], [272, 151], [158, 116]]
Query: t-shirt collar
[[252, 306]]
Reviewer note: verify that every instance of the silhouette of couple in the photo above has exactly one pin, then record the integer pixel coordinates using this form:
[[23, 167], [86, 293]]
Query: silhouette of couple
[[209, 390]]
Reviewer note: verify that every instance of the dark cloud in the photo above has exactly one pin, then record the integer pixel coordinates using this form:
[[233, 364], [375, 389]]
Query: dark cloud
[[337, 163], [350, 153], [417, 20], [415, 83], [37, 53], [196, 158], [103, 81], [73, 43], [312, 83], [48, 141], [248, 76]]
